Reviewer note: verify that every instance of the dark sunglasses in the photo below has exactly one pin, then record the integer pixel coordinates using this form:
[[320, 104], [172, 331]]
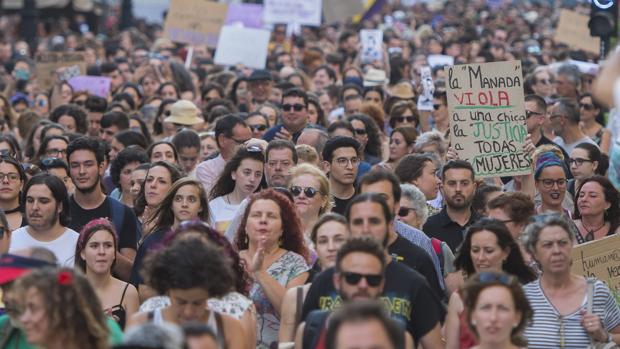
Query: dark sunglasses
[[437, 106], [404, 211], [351, 278], [52, 162], [308, 191], [529, 113], [258, 127], [406, 119], [296, 107], [586, 106], [360, 131]]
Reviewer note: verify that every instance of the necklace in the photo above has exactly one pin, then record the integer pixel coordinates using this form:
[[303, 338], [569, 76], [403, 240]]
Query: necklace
[[590, 234], [13, 210]]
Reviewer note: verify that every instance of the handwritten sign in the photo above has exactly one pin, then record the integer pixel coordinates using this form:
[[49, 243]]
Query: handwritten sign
[[238, 45], [301, 12], [95, 85], [439, 60], [342, 10], [487, 117], [372, 49], [48, 62], [600, 259], [194, 22], [250, 15], [573, 30], [425, 100]]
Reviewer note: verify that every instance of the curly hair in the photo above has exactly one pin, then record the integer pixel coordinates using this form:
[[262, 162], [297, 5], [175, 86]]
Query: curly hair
[[132, 153], [374, 145], [189, 228], [77, 113], [87, 232], [225, 184], [163, 215], [72, 308], [189, 263], [292, 235]]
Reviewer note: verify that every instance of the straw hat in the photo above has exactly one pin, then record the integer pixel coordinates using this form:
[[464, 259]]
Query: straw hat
[[375, 77], [402, 90], [184, 113]]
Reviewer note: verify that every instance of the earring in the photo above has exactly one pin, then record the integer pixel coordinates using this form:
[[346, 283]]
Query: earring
[[246, 240], [473, 322]]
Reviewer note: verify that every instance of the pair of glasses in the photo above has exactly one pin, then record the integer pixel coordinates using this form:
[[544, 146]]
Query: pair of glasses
[[56, 151], [545, 81], [586, 106], [360, 131], [12, 177], [309, 192], [529, 114], [295, 107], [255, 128], [351, 278], [406, 119], [239, 141], [549, 183], [404, 211], [343, 162], [437, 106], [7, 153], [578, 161]]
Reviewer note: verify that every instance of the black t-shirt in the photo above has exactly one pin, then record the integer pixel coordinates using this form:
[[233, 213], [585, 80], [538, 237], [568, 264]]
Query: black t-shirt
[[405, 293], [441, 227], [340, 205], [150, 242], [126, 236], [413, 256]]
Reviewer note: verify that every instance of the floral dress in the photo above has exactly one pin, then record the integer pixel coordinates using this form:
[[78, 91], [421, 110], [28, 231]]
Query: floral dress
[[283, 270]]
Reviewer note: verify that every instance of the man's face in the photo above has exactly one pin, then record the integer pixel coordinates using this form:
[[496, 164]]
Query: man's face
[[367, 219], [343, 167], [276, 96], [348, 280], [557, 120], [188, 158], [261, 90], [117, 79], [94, 123], [458, 188], [564, 87], [534, 116], [352, 105], [85, 171], [106, 134], [383, 188], [277, 169], [126, 72], [42, 210], [367, 334], [294, 113], [229, 145]]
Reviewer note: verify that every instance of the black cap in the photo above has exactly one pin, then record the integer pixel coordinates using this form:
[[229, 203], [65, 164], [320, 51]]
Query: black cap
[[260, 74]]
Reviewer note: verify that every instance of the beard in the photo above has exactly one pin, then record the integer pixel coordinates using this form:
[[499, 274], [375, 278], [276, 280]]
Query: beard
[[90, 188], [465, 202], [46, 223]]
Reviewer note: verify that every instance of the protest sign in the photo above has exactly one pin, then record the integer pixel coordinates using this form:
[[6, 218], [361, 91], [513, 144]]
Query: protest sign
[[439, 60], [372, 49], [425, 101], [48, 62], [487, 117], [600, 259], [96, 85], [250, 15], [301, 12], [247, 46], [573, 30], [194, 22], [341, 10]]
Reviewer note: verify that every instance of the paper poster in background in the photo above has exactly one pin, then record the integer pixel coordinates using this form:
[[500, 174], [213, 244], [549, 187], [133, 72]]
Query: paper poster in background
[[302, 12], [341, 10], [250, 15], [372, 49], [425, 101], [573, 30], [439, 60], [487, 117], [194, 22], [238, 45], [96, 85], [600, 259], [48, 62]]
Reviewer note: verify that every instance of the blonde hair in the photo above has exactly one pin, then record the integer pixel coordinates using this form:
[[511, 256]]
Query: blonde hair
[[324, 187], [307, 154]]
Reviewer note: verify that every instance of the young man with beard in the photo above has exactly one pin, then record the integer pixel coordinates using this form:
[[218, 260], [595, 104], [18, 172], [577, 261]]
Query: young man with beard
[[85, 156], [458, 189], [405, 292], [341, 159], [47, 211]]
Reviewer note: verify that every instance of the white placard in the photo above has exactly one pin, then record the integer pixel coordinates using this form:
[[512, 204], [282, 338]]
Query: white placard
[[425, 101], [304, 12], [439, 60], [247, 46], [372, 49]]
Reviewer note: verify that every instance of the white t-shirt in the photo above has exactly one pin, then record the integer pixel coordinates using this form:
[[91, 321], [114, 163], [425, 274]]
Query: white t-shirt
[[570, 146], [222, 213], [63, 247]]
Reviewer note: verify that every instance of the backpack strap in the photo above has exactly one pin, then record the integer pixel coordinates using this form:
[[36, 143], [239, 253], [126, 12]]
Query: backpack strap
[[315, 324], [117, 213], [300, 304]]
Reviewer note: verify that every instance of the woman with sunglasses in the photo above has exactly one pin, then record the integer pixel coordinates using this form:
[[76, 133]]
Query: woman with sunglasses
[[589, 113], [585, 161], [404, 113], [242, 176], [497, 310], [402, 141], [368, 134], [559, 297], [258, 123], [488, 247], [597, 209], [12, 179], [310, 189], [271, 243]]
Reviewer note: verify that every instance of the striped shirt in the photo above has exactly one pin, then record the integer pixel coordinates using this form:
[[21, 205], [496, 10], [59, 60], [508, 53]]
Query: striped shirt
[[550, 330]]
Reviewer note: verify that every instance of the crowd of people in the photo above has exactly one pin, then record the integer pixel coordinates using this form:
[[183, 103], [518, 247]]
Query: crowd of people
[[316, 203]]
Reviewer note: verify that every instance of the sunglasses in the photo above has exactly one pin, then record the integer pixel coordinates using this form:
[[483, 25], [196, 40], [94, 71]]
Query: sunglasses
[[545, 81], [309, 192], [404, 211], [437, 106], [255, 128], [586, 106], [529, 114], [360, 131], [406, 119], [351, 278], [295, 107]]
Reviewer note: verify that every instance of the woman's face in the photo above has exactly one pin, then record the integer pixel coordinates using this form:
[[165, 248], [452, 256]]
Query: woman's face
[[115, 148], [485, 252], [189, 305], [135, 183], [163, 152], [99, 252], [329, 237], [373, 97], [248, 175], [264, 223], [6, 149], [406, 119], [591, 200], [125, 177], [428, 182], [66, 93], [149, 86], [494, 316], [271, 114], [209, 146], [411, 218], [553, 250], [258, 125], [11, 184], [398, 147], [156, 185], [313, 114], [321, 79], [587, 110], [168, 92], [68, 122], [581, 166], [34, 318], [56, 148], [186, 203], [361, 133], [300, 187], [552, 195]]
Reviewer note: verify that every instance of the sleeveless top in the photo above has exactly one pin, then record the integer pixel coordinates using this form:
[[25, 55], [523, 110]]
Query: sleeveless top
[[214, 322], [117, 312]]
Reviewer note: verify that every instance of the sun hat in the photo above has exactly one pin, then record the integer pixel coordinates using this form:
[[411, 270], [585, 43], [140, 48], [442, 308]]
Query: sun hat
[[184, 113]]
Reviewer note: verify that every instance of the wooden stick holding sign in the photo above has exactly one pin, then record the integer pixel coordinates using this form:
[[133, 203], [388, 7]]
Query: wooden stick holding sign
[[487, 117]]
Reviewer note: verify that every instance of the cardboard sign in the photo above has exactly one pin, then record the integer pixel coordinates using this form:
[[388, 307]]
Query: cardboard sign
[[250, 15], [194, 22], [600, 259], [48, 62], [573, 30], [303, 12], [487, 117], [238, 45], [372, 49], [341, 10], [425, 101], [95, 85]]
